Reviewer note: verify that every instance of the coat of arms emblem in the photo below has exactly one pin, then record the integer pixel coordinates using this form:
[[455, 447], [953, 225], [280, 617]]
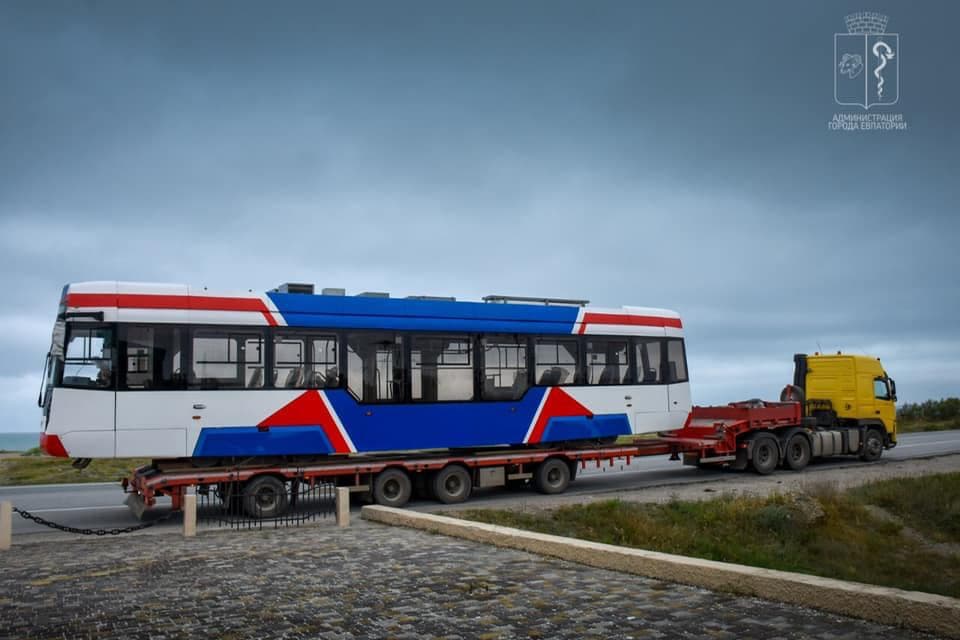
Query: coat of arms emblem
[[866, 65]]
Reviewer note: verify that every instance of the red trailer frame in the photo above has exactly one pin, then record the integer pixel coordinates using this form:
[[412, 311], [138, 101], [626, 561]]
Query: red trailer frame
[[710, 434]]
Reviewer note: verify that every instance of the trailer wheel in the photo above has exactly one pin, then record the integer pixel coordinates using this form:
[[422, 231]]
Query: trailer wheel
[[265, 497], [392, 488], [452, 484], [552, 476], [797, 454], [766, 454], [872, 446]]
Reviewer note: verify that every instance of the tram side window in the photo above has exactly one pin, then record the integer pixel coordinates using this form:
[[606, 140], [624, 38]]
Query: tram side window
[[676, 361], [504, 367], [556, 362], [88, 359], [225, 360], [304, 361], [152, 358], [375, 367], [441, 368], [649, 365], [325, 370], [607, 362]]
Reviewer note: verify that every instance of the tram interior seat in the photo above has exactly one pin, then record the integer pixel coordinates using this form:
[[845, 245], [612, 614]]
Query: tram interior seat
[[332, 377], [553, 376], [317, 380], [610, 374], [519, 384], [294, 378]]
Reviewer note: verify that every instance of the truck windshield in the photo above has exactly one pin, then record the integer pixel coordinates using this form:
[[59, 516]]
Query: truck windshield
[[880, 389]]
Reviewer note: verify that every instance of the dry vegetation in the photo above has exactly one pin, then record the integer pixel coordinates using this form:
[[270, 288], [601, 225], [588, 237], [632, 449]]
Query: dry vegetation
[[903, 532], [33, 468]]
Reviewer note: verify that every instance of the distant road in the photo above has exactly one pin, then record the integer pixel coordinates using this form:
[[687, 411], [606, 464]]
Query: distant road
[[101, 505]]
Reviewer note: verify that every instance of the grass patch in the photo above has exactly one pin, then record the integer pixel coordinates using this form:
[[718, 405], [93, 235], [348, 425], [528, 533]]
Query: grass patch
[[32, 469], [914, 426], [822, 532], [929, 504]]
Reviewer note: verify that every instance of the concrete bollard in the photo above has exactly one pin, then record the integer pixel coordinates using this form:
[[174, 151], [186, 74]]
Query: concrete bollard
[[6, 525], [189, 515], [343, 507]]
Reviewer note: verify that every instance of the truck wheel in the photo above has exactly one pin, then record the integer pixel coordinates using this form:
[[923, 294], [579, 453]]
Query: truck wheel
[[552, 476], [265, 497], [452, 484], [797, 454], [392, 488], [766, 454], [872, 446]]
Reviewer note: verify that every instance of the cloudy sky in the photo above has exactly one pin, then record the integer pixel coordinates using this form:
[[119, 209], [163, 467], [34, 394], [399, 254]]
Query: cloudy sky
[[671, 154]]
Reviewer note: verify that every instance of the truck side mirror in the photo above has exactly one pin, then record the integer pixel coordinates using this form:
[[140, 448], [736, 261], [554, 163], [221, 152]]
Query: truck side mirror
[[893, 389]]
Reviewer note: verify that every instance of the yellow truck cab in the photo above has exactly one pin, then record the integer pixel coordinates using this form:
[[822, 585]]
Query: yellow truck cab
[[848, 392]]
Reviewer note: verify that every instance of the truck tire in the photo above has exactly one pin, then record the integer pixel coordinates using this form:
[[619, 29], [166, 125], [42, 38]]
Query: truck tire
[[797, 452], [452, 484], [872, 447], [766, 454], [552, 476], [265, 497], [392, 488]]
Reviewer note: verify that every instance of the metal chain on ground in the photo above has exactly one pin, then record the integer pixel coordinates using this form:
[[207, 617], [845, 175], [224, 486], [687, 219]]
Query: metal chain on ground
[[91, 532]]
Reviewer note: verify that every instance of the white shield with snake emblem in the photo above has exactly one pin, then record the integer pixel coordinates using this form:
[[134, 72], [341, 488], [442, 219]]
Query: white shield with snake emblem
[[866, 64]]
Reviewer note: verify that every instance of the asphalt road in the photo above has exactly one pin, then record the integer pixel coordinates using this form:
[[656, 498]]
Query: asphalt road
[[101, 505]]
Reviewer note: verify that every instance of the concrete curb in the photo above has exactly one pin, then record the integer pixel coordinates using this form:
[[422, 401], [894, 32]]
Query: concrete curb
[[922, 611]]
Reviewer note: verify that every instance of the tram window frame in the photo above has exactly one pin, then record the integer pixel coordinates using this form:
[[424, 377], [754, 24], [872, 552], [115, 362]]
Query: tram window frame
[[672, 373], [100, 382], [590, 348], [310, 376], [521, 381], [446, 365], [398, 382], [241, 380], [166, 375], [659, 368], [575, 369]]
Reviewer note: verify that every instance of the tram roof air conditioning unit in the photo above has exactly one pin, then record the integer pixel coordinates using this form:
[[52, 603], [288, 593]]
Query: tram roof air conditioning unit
[[296, 287]]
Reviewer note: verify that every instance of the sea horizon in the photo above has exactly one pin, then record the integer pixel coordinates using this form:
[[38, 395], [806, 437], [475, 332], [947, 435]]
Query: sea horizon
[[19, 440]]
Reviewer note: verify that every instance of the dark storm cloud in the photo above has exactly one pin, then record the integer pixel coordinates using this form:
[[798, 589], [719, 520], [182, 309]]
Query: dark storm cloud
[[669, 154]]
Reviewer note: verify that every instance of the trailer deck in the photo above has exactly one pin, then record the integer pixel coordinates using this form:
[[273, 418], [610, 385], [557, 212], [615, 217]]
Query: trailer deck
[[710, 435]]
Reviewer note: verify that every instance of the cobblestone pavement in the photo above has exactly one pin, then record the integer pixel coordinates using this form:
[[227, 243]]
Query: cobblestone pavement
[[369, 581]]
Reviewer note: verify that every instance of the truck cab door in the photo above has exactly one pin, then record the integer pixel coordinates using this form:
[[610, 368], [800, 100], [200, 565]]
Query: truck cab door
[[884, 404]]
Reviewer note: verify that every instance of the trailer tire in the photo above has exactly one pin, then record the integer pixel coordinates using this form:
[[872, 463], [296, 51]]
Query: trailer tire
[[797, 452], [552, 476], [766, 454], [392, 488], [872, 447], [452, 484], [265, 497]]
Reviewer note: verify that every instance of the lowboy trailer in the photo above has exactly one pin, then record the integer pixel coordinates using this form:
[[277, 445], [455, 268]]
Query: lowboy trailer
[[754, 433]]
